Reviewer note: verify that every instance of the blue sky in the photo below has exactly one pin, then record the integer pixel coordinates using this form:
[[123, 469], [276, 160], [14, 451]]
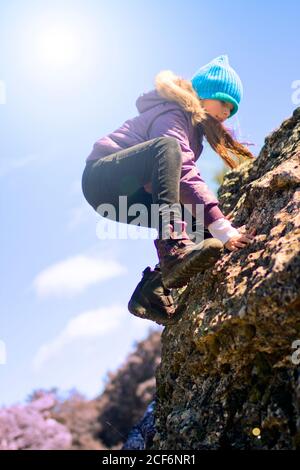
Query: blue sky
[[70, 72]]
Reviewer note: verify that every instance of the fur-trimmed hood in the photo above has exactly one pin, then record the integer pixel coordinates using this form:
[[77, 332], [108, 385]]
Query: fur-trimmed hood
[[172, 88]]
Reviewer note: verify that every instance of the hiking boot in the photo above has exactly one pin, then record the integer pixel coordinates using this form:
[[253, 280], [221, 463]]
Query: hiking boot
[[151, 300], [180, 258]]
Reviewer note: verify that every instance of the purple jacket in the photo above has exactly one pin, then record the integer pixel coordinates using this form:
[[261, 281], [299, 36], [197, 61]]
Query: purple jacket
[[159, 117]]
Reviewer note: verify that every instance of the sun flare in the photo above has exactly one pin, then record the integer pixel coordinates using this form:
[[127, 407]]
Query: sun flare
[[58, 46]]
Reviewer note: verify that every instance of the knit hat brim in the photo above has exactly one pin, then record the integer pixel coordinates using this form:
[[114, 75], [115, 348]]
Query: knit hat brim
[[219, 95]]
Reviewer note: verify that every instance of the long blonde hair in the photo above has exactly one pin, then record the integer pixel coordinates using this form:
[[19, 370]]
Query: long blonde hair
[[175, 88]]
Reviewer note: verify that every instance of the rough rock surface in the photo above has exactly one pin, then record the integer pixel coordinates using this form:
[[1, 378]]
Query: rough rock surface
[[226, 377], [141, 435]]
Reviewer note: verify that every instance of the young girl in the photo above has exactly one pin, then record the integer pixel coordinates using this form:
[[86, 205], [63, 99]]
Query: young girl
[[151, 159]]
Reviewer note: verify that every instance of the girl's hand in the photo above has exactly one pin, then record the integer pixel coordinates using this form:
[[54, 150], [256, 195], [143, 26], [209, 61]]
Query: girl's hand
[[240, 241], [229, 216]]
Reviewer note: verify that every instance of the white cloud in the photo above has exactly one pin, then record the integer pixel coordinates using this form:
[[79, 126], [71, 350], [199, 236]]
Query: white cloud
[[86, 325], [74, 275]]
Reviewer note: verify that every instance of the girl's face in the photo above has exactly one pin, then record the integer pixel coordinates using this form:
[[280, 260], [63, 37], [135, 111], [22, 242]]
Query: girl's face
[[217, 108]]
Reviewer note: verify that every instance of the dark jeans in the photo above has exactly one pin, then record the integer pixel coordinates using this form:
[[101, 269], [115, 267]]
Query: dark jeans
[[124, 173]]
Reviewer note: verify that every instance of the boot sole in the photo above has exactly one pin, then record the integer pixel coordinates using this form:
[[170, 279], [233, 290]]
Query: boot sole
[[180, 275], [147, 313]]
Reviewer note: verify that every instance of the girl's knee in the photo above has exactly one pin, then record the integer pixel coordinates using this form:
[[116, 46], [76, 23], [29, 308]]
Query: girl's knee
[[85, 188], [169, 142]]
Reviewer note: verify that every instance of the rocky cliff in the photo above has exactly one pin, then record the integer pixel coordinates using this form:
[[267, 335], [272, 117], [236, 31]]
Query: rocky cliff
[[227, 378]]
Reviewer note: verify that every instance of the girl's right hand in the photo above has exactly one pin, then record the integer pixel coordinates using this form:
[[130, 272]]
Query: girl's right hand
[[240, 241]]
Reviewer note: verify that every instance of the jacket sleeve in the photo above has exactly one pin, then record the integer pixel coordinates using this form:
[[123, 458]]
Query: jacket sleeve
[[193, 189]]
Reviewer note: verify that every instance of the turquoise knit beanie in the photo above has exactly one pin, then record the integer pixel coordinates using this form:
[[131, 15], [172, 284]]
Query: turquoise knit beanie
[[217, 80]]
